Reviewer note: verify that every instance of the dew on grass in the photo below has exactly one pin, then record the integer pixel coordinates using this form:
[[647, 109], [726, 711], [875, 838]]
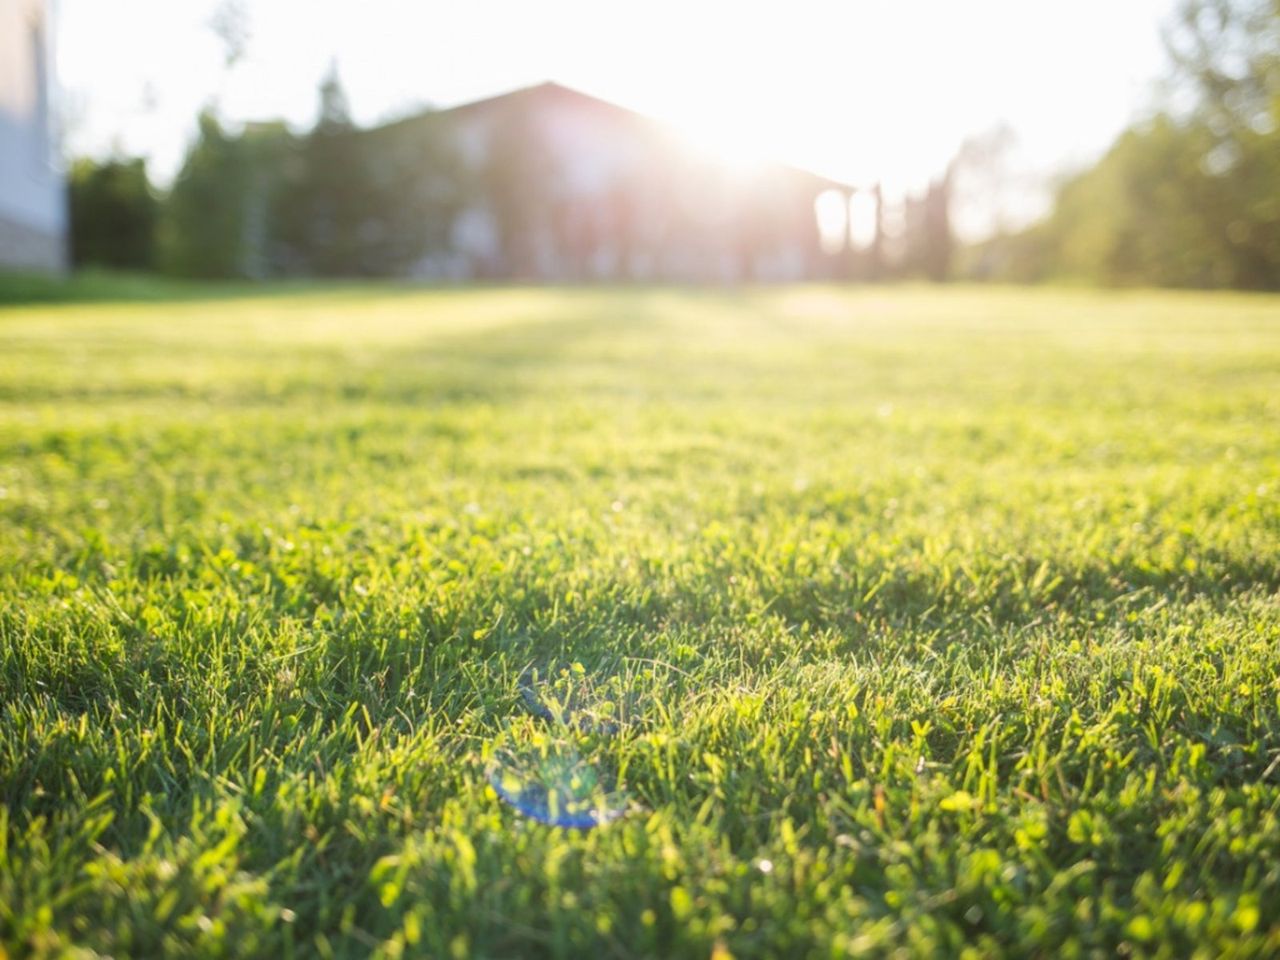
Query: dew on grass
[[552, 784]]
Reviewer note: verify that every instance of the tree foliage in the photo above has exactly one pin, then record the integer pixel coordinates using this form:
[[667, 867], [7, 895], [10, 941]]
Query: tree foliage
[[203, 228], [1191, 196], [318, 214], [338, 201], [113, 214]]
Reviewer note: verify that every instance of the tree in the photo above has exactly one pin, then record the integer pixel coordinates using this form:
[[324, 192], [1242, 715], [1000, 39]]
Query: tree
[[338, 201], [1227, 57], [202, 230], [1190, 196], [1227, 53], [230, 24], [323, 215], [113, 214]]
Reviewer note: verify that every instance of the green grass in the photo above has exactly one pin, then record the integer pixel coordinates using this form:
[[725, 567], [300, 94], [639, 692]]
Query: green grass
[[938, 622]]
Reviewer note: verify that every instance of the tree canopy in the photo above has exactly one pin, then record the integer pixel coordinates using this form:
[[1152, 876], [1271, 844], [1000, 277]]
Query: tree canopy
[[1191, 196]]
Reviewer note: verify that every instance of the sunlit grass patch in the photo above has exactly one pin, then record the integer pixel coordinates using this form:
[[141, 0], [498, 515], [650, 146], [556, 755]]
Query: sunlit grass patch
[[888, 618]]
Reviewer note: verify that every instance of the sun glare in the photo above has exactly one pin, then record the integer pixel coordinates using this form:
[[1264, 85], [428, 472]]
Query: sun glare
[[861, 93], [723, 140], [832, 213]]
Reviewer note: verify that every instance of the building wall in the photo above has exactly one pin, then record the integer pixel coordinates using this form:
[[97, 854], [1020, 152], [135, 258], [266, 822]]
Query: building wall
[[33, 208], [609, 196], [556, 185]]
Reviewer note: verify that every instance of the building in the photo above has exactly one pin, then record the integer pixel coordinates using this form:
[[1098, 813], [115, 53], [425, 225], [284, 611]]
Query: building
[[563, 186], [33, 208], [543, 184]]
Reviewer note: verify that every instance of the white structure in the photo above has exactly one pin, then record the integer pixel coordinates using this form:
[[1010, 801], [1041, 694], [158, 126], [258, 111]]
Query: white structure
[[33, 208], [569, 187]]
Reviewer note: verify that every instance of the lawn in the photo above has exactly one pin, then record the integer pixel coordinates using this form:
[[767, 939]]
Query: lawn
[[936, 622]]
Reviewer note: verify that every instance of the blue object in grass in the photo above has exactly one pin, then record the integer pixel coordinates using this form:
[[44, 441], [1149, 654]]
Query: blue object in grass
[[554, 786]]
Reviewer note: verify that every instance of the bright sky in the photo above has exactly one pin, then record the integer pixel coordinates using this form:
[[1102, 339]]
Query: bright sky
[[858, 90]]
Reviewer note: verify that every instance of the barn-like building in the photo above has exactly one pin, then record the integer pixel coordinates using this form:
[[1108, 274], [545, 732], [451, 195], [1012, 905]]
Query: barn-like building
[[566, 186]]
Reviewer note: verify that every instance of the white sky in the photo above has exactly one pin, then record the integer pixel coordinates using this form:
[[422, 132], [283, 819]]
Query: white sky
[[858, 90]]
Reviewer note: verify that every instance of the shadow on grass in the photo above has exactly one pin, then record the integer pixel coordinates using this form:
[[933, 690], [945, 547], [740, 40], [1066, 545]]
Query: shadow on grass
[[99, 286], [93, 286], [496, 362]]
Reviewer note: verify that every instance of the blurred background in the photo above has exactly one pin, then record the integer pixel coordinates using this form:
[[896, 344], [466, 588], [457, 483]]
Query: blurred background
[[569, 141]]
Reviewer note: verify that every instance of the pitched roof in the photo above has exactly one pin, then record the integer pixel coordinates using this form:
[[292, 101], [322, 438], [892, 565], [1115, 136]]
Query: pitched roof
[[549, 89]]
